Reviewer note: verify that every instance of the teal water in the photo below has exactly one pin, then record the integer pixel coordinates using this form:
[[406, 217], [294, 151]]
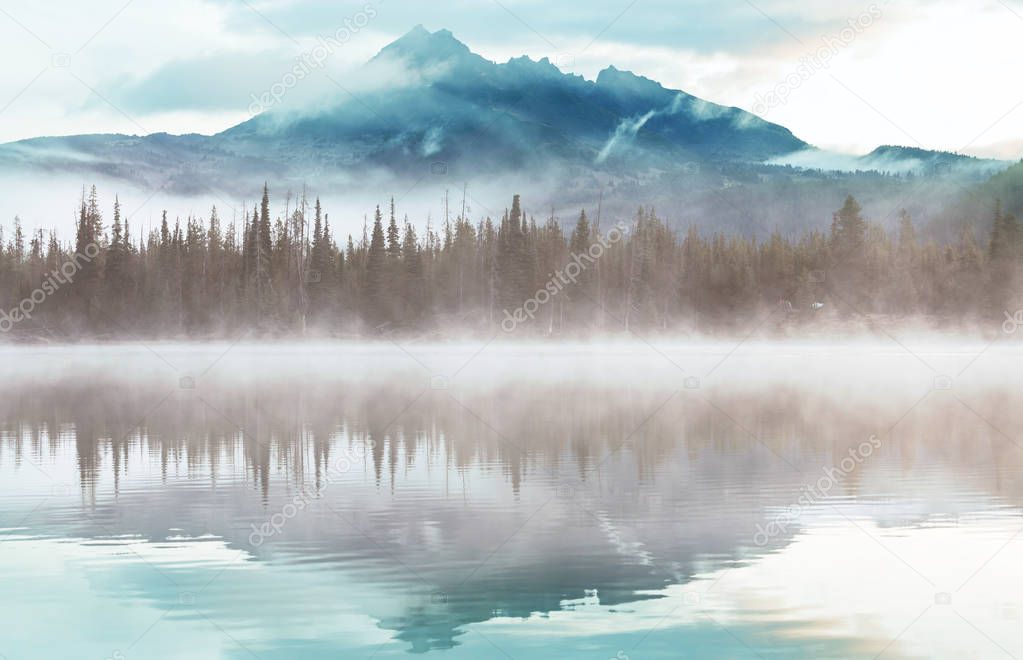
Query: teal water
[[497, 501]]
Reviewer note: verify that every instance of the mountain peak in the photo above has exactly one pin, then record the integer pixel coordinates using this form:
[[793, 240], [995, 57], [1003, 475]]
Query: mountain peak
[[542, 66], [614, 76], [420, 46]]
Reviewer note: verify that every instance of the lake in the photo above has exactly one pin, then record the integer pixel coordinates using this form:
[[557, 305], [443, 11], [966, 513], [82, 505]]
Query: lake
[[618, 500]]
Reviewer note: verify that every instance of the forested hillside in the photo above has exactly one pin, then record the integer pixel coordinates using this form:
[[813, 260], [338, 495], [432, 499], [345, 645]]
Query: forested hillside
[[287, 274]]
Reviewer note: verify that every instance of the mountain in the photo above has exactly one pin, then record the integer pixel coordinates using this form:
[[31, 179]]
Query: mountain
[[461, 109], [892, 158], [435, 107], [476, 115]]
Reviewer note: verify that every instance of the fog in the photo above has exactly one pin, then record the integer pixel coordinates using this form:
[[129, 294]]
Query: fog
[[51, 202], [851, 369], [896, 160]]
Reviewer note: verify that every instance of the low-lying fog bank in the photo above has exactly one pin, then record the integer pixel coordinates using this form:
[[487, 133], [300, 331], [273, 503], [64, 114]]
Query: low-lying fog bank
[[752, 361]]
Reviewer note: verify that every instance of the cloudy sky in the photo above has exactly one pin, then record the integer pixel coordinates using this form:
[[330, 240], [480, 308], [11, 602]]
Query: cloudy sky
[[843, 75]]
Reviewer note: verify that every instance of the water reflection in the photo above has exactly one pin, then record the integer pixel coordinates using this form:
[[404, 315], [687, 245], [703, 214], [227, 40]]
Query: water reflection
[[579, 504]]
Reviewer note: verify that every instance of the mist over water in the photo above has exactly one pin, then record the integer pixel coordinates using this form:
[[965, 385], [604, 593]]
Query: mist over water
[[730, 499]]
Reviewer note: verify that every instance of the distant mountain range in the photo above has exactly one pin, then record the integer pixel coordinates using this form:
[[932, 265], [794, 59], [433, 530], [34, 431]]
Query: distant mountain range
[[459, 116]]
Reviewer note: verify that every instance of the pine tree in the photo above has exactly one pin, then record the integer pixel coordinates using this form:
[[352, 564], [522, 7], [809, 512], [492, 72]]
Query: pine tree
[[18, 241], [513, 269], [850, 230], [848, 246], [321, 272], [263, 266], [215, 269], [117, 272], [86, 280], [579, 245], [1005, 235], [1004, 252], [413, 278], [393, 237], [376, 302]]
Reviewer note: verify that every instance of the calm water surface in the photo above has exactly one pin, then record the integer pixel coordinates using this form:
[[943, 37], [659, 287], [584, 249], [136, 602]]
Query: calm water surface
[[511, 501]]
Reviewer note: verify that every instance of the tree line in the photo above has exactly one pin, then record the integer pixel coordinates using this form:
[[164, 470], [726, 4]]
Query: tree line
[[283, 274]]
